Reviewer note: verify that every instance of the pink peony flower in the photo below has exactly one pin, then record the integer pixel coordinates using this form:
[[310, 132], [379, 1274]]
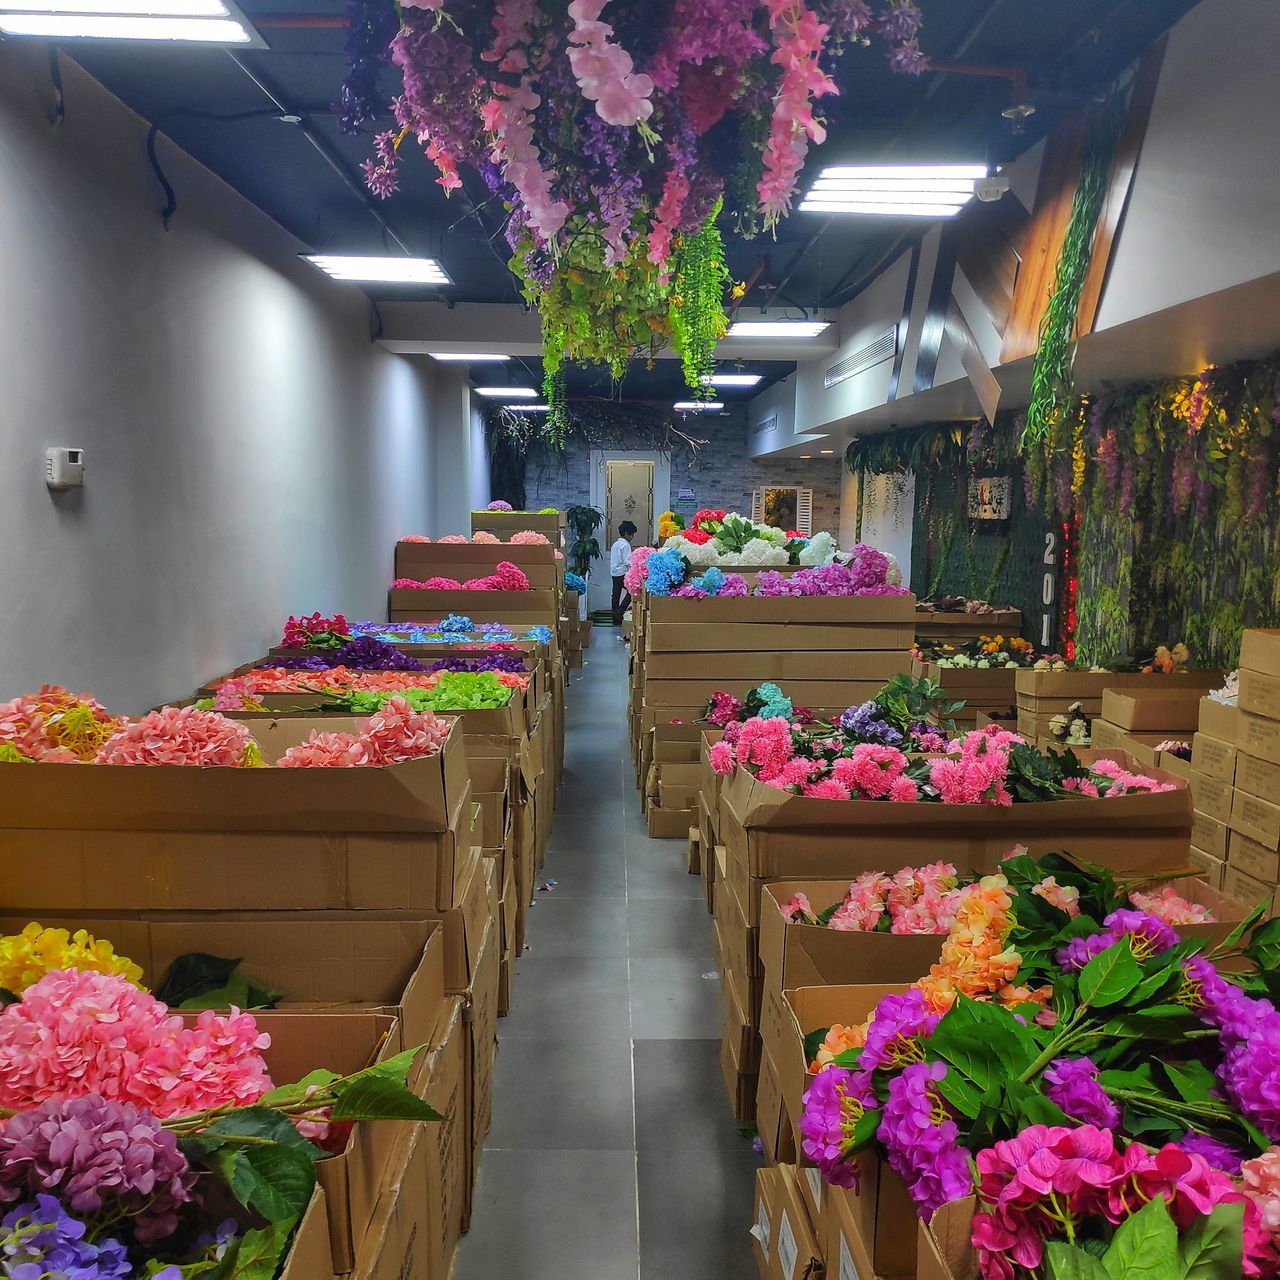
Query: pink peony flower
[[484, 536], [180, 736], [530, 538]]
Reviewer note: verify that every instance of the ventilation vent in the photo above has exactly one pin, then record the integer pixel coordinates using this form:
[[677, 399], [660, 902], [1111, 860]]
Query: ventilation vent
[[883, 348]]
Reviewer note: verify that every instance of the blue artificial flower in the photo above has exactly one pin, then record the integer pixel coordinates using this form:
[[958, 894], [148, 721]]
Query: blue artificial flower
[[664, 572], [575, 582], [712, 581], [866, 724], [40, 1239], [457, 623], [540, 633], [774, 702]]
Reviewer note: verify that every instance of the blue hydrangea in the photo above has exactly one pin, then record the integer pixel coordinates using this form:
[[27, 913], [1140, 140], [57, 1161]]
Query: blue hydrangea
[[774, 702], [575, 582], [867, 724], [711, 582], [457, 623], [542, 634], [664, 572]]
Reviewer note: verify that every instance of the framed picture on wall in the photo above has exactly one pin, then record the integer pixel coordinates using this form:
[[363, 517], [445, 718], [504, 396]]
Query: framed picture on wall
[[990, 503], [784, 507]]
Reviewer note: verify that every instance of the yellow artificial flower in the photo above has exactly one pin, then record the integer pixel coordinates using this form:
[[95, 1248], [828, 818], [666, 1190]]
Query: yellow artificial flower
[[27, 956]]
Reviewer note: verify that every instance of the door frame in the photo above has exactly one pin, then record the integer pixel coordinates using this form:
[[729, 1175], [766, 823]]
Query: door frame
[[601, 585]]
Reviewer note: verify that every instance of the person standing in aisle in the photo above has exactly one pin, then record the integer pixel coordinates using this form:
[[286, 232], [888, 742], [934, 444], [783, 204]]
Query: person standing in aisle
[[619, 563]]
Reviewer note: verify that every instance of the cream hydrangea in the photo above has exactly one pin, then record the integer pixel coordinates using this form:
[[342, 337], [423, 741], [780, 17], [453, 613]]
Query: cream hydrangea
[[820, 550], [757, 554]]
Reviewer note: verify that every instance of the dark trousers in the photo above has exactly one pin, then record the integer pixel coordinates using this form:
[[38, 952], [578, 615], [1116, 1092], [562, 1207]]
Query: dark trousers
[[621, 600]]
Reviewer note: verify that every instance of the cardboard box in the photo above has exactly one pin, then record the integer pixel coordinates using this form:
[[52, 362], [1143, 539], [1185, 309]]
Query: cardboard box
[[740, 1086], [796, 1252], [871, 1234], [1253, 858], [503, 524], [944, 1243], [773, 1124], [1210, 834], [668, 824], [481, 1047], [1105, 736], [1092, 684], [772, 835], [309, 1256], [1211, 869], [1212, 796], [1259, 778], [1174, 764], [519, 608], [1260, 650], [1154, 707], [802, 955], [445, 1087], [1259, 736], [1249, 890], [397, 1241], [695, 851], [740, 671], [463, 560], [1257, 819], [1260, 693], [1219, 720], [768, 1187], [1213, 757]]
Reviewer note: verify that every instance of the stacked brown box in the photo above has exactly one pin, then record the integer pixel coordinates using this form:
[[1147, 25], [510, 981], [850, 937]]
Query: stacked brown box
[[669, 760], [981, 689], [505, 524], [787, 1239], [1138, 720], [957, 628], [1252, 759], [826, 653]]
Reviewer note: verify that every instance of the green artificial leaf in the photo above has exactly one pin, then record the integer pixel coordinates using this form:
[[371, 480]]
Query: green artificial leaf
[[961, 1093], [317, 1079], [824, 918], [257, 1254], [1151, 1127], [275, 1181], [1193, 1081], [864, 1130], [7, 997], [1264, 946], [193, 974], [1234, 937], [380, 1093], [1145, 1246], [1030, 1106], [241, 990], [983, 1042], [1066, 1262], [1213, 1246], [1109, 976]]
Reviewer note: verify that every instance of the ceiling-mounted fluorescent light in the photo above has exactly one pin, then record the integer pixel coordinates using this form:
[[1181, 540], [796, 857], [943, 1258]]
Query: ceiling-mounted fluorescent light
[[730, 379], [469, 357], [358, 269], [507, 393], [530, 408], [777, 328], [698, 406], [177, 21], [911, 191]]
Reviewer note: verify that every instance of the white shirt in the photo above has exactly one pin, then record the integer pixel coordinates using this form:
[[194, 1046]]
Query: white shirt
[[619, 558]]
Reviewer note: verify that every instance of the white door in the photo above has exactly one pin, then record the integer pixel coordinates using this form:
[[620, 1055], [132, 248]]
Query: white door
[[640, 478]]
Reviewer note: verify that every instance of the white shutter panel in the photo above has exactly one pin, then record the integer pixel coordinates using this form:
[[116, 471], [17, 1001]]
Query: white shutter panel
[[757, 506], [804, 512]]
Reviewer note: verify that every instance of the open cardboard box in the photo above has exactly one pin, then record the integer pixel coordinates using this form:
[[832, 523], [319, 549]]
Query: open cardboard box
[[1153, 707], [944, 1243], [505, 523], [738, 672], [310, 1257], [526, 608], [414, 796]]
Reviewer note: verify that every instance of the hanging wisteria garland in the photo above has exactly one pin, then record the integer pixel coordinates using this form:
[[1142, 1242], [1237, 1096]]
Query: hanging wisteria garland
[[611, 132]]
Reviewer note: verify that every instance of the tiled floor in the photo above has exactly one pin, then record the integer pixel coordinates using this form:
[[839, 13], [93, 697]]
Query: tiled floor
[[613, 1153]]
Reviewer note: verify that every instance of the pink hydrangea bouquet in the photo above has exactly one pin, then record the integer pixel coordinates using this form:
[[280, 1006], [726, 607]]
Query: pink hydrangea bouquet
[[506, 577]]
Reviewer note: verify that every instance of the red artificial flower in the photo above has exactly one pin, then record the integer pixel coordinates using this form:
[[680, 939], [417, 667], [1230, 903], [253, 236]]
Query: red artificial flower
[[696, 536]]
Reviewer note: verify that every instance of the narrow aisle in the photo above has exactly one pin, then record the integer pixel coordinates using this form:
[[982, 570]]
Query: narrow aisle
[[613, 1152]]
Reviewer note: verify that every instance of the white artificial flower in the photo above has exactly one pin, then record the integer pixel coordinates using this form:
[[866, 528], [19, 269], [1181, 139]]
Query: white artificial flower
[[1079, 729], [984, 664], [894, 574], [1060, 665], [1042, 664], [821, 550]]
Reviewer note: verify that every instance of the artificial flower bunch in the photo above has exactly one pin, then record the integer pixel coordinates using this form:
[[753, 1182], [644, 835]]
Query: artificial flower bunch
[[506, 577], [1072, 726], [1045, 1015], [26, 957], [867, 573], [498, 504], [984, 767], [1176, 747], [361, 653], [54, 725], [397, 732], [1167, 660], [455, 629], [712, 582], [766, 700], [454, 691], [727, 539], [120, 1116], [575, 582], [669, 524], [315, 632], [510, 663], [613, 135], [981, 654]]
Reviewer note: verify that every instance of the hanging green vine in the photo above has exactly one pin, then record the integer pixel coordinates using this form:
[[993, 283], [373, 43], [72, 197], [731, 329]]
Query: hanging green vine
[[696, 313], [1052, 371]]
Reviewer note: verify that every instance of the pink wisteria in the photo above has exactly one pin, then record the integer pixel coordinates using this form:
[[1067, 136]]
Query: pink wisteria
[[604, 70]]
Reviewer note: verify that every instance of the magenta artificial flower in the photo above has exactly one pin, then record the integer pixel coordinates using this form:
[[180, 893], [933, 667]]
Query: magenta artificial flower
[[1072, 1083], [898, 1025], [921, 1139], [836, 1100]]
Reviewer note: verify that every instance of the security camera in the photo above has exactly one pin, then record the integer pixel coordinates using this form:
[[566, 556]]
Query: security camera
[[989, 190]]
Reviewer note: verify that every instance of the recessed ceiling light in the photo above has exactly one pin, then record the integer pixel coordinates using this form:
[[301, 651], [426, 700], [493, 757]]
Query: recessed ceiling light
[[826, 451], [914, 191], [129, 26], [358, 269], [806, 457], [698, 406], [469, 357], [134, 8], [507, 393], [730, 379], [777, 328]]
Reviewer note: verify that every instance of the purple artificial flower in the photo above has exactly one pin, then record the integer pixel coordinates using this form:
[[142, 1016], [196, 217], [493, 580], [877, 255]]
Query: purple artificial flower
[[866, 723], [1072, 1083], [1148, 936], [921, 1139], [1218, 1155], [893, 1037], [39, 1239], [98, 1156], [312, 662], [499, 505], [368, 654], [486, 662], [837, 1099]]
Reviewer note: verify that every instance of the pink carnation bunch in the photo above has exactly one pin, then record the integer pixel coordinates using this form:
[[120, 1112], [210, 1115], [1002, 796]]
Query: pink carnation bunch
[[181, 736], [506, 577], [1122, 782], [77, 1032]]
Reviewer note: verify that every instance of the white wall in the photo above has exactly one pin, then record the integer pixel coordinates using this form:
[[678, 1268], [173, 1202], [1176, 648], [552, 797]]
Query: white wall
[[250, 451]]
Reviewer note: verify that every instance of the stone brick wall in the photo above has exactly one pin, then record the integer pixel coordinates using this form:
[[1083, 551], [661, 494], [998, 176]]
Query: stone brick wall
[[720, 473]]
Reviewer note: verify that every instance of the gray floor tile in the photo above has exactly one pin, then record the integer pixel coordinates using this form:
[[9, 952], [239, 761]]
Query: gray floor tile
[[681, 1104], [660, 869], [577, 927], [673, 998], [586, 873], [668, 927], [573, 999], [695, 1215], [553, 1215], [555, 1094]]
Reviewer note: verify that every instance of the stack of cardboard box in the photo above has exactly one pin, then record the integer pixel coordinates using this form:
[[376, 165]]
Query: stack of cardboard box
[[1236, 756], [1139, 719], [362, 894], [505, 524], [957, 627], [981, 689]]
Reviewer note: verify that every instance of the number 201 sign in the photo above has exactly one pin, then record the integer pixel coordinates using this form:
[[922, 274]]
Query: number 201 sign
[[1049, 591]]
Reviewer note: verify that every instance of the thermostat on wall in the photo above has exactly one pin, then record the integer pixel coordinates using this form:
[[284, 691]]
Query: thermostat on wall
[[63, 467]]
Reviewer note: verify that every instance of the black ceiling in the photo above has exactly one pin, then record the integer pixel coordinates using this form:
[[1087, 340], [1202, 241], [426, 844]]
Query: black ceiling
[[1068, 49]]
